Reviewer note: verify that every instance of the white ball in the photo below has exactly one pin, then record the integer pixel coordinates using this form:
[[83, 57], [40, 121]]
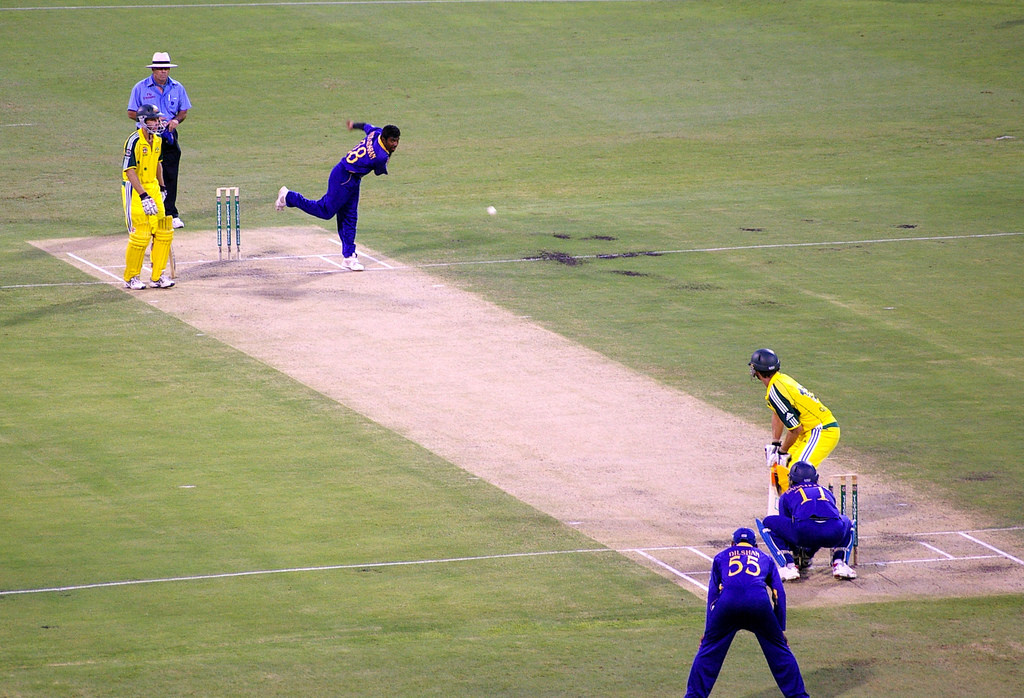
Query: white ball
[[491, 210]]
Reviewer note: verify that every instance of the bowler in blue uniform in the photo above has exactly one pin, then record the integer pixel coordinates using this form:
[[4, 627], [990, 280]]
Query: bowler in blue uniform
[[342, 197], [745, 593]]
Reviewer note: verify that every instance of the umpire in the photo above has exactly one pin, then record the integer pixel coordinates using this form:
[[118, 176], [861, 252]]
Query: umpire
[[745, 593], [171, 99]]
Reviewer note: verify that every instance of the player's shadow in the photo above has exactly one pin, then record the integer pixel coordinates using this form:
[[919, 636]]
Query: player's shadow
[[829, 682]]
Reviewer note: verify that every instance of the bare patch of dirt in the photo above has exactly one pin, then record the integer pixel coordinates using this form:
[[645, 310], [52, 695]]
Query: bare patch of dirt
[[613, 453], [560, 257]]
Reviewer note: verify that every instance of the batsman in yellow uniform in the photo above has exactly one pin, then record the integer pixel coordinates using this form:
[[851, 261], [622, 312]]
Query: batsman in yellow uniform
[[142, 199], [803, 429]]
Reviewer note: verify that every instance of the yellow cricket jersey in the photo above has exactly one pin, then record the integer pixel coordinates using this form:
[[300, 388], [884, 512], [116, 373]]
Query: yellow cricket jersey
[[796, 405], [143, 157]]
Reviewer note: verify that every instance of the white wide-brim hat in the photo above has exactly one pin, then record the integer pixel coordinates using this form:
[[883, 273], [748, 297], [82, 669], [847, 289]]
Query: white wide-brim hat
[[162, 59]]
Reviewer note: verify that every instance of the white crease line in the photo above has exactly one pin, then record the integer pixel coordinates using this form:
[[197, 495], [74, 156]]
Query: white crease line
[[638, 551], [378, 261], [935, 550], [100, 269], [65, 283], [993, 548], [970, 530], [521, 260], [672, 569], [967, 558], [372, 259], [330, 261], [697, 552]]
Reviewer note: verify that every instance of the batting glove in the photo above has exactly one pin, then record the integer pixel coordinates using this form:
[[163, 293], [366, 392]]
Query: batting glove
[[771, 453], [163, 195], [149, 206]]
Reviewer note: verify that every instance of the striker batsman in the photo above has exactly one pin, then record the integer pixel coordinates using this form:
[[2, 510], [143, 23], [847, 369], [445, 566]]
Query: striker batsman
[[142, 193], [803, 429]]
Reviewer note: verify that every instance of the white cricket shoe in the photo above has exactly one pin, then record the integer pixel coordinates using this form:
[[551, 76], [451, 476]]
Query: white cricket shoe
[[177, 223], [281, 202], [352, 263], [134, 284], [840, 570], [163, 282], [789, 573]]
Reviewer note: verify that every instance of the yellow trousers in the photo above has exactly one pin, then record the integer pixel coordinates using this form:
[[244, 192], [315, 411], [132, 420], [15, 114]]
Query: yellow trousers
[[813, 446], [143, 228]]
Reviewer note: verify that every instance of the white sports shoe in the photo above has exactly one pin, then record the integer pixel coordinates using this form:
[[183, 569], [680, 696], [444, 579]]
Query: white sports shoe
[[177, 223], [352, 263], [840, 570], [163, 282], [134, 284], [281, 203], [789, 573]]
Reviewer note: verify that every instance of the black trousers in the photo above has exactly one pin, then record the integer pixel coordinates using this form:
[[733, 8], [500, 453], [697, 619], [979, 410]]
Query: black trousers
[[171, 158]]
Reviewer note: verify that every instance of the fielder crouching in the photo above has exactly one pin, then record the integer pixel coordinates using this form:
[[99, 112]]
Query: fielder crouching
[[808, 520], [745, 593]]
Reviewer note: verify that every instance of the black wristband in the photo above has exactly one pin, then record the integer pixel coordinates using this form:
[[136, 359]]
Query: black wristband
[[358, 124], [143, 196], [776, 443]]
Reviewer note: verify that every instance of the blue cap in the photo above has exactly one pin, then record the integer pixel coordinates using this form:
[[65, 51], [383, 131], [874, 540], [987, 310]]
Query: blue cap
[[744, 535]]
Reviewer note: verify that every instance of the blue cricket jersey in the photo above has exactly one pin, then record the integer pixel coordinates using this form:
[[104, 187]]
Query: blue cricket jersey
[[807, 501], [745, 574], [369, 156]]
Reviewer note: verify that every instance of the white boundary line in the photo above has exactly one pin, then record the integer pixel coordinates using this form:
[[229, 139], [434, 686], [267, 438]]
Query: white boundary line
[[384, 266], [643, 552], [323, 568], [303, 3]]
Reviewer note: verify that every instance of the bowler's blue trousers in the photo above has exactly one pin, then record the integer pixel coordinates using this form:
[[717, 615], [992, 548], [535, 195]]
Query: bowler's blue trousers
[[341, 200]]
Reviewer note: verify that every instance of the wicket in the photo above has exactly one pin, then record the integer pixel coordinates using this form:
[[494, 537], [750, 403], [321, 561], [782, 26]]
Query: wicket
[[225, 195], [844, 481]]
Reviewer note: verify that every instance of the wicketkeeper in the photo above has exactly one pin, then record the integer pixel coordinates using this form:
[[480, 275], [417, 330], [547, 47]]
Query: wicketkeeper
[[808, 520]]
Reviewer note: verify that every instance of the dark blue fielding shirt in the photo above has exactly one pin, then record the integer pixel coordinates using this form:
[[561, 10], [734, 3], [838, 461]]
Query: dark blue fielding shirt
[[805, 502], [744, 571], [369, 156]]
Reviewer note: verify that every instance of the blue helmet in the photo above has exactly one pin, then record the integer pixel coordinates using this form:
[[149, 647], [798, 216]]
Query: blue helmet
[[803, 473], [744, 535], [764, 361]]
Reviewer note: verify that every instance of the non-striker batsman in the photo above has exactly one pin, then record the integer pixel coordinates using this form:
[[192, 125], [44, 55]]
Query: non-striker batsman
[[142, 186]]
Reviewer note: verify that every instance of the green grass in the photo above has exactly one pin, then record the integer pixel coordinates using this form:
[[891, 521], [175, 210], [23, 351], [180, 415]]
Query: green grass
[[665, 126]]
